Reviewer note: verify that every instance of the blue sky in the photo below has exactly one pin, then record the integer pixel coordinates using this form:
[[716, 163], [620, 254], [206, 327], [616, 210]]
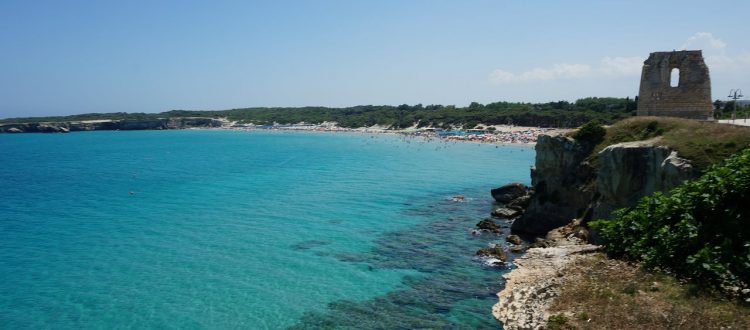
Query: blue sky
[[68, 57]]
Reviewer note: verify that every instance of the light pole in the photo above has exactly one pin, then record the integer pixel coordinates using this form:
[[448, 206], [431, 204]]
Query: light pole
[[735, 94]]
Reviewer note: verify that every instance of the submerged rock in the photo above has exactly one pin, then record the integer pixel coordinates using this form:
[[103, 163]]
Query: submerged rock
[[518, 248], [514, 239], [509, 192], [493, 252], [489, 225]]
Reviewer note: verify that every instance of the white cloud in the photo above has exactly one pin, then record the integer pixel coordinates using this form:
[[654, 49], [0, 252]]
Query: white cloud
[[705, 41], [557, 71], [501, 76], [621, 66], [715, 51], [608, 66]]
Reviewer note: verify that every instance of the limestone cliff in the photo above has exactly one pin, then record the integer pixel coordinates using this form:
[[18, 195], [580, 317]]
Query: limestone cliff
[[110, 125], [562, 182], [567, 186], [631, 170]]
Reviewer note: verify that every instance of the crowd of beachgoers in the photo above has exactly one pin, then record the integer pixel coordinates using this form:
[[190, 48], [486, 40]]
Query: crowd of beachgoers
[[500, 134]]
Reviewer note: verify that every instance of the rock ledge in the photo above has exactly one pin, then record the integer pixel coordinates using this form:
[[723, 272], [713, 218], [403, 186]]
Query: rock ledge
[[530, 288]]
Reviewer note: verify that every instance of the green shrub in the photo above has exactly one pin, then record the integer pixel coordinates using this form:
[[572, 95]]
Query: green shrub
[[591, 133], [701, 230], [558, 321]]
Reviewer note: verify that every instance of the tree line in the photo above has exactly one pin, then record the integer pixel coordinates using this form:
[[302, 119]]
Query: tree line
[[550, 114]]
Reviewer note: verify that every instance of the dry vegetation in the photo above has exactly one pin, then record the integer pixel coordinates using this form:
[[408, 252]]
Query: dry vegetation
[[605, 293], [703, 143]]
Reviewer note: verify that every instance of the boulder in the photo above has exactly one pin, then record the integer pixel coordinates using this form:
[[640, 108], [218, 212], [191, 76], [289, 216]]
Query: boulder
[[518, 248], [489, 225], [509, 192], [504, 212], [514, 239], [493, 252], [520, 202]]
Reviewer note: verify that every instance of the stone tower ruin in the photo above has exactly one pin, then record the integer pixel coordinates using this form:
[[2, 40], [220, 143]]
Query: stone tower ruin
[[687, 97]]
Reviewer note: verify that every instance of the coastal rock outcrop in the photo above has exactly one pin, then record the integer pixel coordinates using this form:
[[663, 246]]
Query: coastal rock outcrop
[[504, 212], [489, 225], [509, 192], [110, 125], [567, 187], [494, 253], [514, 239], [562, 184], [531, 287], [631, 170]]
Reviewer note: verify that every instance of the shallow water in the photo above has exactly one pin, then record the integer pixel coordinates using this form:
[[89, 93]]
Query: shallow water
[[227, 229]]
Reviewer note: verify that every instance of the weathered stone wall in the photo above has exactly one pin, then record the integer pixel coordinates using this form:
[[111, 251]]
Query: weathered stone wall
[[691, 98]]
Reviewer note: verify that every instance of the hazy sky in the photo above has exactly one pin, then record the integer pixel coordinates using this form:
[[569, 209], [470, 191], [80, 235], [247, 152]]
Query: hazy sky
[[67, 57]]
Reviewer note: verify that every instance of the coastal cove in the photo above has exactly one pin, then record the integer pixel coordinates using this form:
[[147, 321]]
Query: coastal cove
[[261, 229]]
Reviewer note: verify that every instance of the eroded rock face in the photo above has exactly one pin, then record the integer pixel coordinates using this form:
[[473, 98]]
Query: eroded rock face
[[631, 170], [509, 192], [561, 180], [567, 187]]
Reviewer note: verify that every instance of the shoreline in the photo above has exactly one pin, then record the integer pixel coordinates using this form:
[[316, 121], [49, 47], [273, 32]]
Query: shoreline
[[500, 135], [531, 287], [485, 134]]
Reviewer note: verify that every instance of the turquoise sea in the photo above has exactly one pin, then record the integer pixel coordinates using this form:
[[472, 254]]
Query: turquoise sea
[[202, 229]]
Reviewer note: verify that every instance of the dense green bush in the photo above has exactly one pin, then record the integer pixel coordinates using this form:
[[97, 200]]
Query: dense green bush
[[701, 230], [591, 133]]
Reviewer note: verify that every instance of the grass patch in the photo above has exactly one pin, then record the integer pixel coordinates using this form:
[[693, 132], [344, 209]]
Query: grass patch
[[557, 322], [703, 143], [605, 293]]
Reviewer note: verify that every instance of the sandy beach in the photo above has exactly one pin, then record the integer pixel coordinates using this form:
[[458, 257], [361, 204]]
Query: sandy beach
[[491, 134]]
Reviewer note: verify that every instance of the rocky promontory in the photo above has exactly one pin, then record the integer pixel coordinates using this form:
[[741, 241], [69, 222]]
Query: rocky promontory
[[530, 288], [112, 125], [569, 183]]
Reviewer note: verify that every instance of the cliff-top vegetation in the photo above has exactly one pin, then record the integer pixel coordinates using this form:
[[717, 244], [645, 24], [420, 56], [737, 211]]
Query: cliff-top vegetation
[[605, 293], [679, 259], [700, 230], [703, 143]]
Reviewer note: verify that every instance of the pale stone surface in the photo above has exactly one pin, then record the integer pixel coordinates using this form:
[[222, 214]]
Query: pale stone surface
[[532, 286]]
